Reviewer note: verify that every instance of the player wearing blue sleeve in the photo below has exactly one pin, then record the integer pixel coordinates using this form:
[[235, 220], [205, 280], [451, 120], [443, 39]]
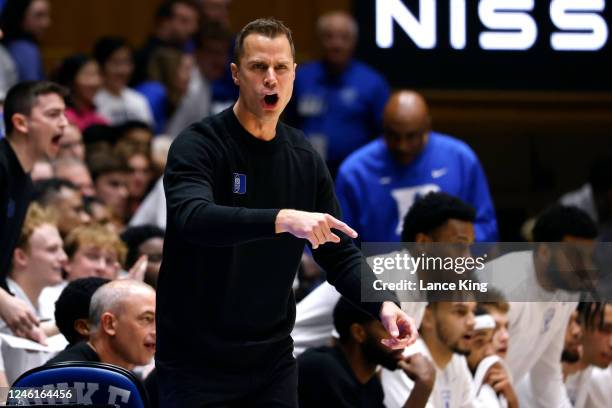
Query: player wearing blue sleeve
[[377, 185]]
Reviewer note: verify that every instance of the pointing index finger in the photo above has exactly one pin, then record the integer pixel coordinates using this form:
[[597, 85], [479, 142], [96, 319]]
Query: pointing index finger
[[339, 225]]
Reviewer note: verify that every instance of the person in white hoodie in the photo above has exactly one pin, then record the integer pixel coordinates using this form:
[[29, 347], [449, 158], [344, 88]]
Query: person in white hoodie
[[539, 309]]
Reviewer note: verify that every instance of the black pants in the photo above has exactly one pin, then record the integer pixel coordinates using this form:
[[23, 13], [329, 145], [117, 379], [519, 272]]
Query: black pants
[[273, 387]]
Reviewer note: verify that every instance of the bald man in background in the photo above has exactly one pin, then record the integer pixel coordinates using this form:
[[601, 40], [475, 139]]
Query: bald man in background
[[377, 184]]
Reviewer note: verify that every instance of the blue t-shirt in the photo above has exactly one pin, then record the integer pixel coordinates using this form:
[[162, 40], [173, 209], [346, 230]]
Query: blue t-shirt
[[376, 192], [339, 114], [28, 61], [157, 97]]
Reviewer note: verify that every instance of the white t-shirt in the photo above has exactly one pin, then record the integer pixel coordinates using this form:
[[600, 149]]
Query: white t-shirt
[[129, 105], [452, 389], [537, 329], [16, 360]]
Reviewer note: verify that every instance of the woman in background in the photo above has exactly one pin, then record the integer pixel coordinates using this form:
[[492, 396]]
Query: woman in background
[[115, 100], [24, 22], [81, 75]]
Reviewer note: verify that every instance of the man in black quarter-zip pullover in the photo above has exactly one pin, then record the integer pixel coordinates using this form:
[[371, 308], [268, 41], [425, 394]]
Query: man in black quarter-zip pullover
[[244, 194]]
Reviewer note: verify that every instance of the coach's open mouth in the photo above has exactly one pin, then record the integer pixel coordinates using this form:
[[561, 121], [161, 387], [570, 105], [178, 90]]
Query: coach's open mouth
[[271, 100]]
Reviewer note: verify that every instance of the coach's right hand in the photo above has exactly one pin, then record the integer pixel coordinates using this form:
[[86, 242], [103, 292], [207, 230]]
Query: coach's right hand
[[315, 227]]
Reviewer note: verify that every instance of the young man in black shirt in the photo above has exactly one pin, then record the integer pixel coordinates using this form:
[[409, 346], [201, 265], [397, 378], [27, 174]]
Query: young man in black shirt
[[244, 194], [34, 120], [345, 375]]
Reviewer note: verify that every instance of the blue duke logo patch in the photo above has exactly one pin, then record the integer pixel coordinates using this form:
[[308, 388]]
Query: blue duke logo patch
[[10, 208], [239, 183]]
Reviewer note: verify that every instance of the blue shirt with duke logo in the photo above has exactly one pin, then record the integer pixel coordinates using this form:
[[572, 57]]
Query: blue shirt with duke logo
[[375, 191]]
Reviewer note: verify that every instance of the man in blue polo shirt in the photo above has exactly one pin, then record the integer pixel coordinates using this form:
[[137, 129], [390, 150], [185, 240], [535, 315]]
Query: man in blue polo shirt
[[338, 101], [377, 185]]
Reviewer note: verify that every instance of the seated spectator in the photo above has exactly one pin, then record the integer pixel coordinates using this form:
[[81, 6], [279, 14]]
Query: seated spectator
[[115, 100], [71, 144], [176, 21], [100, 213], [121, 326], [96, 136], [140, 176], [338, 102], [110, 175], [345, 375], [75, 171], [65, 199], [445, 340], [377, 185], [37, 263], [492, 381], [211, 55], [137, 132], [586, 358], [572, 346], [498, 309], [24, 23], [169, 75], [72, 308], [588, 381], [81, 74], [93, 250], [224, 90], [540, 310], [145, 240]]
